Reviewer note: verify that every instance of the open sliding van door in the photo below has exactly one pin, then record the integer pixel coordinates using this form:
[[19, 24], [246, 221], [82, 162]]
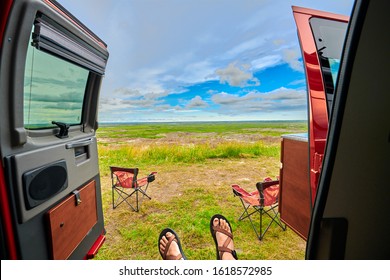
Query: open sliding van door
[[351, 217], [51, 70]]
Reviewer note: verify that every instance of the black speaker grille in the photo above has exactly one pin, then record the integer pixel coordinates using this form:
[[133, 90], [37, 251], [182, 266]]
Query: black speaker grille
[[42, 183]]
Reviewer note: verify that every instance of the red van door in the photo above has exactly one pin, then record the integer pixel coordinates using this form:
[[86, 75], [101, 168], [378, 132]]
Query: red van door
[[351, 219], [321, 35], [50, 75]]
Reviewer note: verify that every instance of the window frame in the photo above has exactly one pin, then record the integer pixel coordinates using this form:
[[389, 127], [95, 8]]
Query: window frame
[[28, 126], [14, 52], [51, 37]]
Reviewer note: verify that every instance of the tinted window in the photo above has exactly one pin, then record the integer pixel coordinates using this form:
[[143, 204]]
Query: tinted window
[[329, 36], [53, 90]]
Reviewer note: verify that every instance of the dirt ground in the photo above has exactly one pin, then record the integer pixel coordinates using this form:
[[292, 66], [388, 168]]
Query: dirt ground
[[186, 138]]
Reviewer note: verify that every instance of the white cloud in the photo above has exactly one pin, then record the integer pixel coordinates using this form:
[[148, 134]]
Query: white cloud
[[266, 61], [292, 56], [237, 76], [286, 94], [253, 43], [224, 98], [281, 99], [197, 102], [131, 93]]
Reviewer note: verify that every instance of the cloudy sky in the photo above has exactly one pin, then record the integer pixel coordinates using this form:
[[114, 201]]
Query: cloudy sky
[[200, 60]]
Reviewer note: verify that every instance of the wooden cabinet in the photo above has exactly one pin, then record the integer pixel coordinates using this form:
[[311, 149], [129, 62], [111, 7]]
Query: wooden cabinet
[[294, 203], [71, 220]]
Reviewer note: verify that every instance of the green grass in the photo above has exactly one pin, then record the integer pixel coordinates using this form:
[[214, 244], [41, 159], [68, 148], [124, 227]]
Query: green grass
[[159, 130], [192, 184], [127, 155]]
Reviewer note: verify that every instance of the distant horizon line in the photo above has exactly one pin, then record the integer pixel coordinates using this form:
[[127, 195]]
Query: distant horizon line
[[198, 121]]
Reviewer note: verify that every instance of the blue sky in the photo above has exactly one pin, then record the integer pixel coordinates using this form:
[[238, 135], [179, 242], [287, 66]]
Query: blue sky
[[200, 60]]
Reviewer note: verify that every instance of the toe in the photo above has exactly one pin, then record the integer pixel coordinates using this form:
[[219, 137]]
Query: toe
[[224, 225], [216, 222]]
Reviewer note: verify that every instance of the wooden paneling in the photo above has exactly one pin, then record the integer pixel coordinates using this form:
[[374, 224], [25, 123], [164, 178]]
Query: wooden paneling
[[294, 205]]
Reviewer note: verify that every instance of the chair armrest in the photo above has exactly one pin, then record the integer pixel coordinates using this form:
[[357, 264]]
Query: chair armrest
[[261, 186], [151, 177], [147, 179]]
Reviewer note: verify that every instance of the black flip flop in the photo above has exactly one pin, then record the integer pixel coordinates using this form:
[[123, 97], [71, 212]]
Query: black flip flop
[[222, 249], [175, 238]]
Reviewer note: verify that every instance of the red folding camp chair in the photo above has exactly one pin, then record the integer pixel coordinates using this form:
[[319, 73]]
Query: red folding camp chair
[[263, 201], [125, 184]]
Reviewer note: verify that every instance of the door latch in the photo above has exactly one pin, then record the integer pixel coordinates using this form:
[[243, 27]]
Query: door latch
[[64, 127]]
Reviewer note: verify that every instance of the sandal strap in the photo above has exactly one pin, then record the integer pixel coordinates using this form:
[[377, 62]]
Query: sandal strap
[[170, 240], [224, 248], [218, 228]]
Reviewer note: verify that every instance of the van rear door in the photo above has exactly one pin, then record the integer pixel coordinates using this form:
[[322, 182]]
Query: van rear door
[[351, 212], [321, 35], [51, 70]]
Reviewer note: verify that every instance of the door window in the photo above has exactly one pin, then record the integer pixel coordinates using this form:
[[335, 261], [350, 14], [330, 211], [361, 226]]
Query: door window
[[53, 90], [329, 37]]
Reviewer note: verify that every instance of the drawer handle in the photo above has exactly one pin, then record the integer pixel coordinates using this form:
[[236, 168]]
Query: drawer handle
[[78, 198]]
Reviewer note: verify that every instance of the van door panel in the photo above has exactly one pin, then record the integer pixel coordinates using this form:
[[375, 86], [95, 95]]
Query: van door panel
[[77, 173], [42, 171], [354, 185]]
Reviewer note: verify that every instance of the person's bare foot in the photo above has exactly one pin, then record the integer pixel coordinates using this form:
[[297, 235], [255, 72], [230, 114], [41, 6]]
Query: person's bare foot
[[224, 238], [169, 246]]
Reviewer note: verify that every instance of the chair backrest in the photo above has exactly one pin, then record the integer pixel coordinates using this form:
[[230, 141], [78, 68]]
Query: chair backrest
[[124, 177], [251, 198]]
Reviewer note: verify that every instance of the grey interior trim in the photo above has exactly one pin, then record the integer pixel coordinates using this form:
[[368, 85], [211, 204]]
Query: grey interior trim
[[52, 38]]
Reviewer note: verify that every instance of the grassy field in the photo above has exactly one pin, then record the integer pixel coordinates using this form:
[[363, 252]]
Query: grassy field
[[196, 163]]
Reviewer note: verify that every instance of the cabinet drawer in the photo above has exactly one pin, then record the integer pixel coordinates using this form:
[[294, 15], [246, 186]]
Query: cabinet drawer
[[71, 220]]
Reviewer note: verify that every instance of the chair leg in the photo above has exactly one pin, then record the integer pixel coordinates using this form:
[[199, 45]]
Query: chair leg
[[271, 213], [246, 214], [113, 199], [140, 199], [262, 233], [261, 224], [144, 193], [258, 233], [274, 218], [136, 200], [122, 197]]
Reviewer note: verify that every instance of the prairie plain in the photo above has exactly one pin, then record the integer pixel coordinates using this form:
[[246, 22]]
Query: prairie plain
[[196, 163]]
